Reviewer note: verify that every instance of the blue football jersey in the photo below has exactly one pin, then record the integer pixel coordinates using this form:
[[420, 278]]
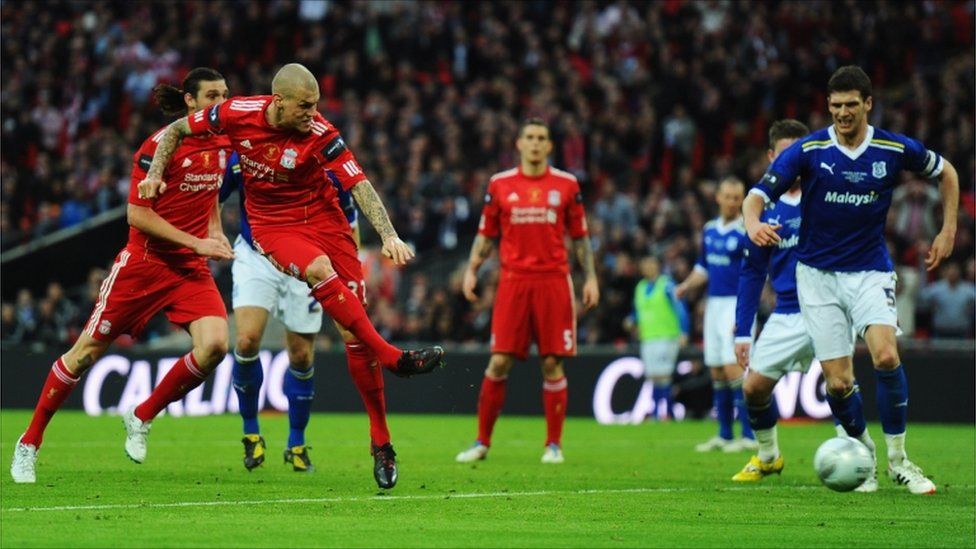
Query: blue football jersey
[[846, 194], [234, 181], [721, 256], [778, 262]]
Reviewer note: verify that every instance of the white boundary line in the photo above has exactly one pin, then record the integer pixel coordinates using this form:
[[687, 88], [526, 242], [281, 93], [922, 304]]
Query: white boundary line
[[393, 498]]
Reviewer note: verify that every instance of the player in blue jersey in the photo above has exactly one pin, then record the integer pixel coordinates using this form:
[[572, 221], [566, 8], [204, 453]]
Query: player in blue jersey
[[785, 344], [723, 240], [845, 277], [259, 291]]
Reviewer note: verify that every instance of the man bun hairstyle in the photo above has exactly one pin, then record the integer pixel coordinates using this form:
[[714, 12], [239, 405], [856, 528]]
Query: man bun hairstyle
[[850, 78], [170, 98], [788, 128]]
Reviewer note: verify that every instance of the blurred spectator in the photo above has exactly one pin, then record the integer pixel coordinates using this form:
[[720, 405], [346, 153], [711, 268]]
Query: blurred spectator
[[951, 303]]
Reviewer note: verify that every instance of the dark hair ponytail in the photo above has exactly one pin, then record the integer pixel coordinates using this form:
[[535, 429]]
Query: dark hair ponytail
[[170, 98]]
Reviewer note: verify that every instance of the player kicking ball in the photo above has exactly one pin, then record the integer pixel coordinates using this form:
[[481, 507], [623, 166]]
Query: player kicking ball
[[844, 276], [784, 344]]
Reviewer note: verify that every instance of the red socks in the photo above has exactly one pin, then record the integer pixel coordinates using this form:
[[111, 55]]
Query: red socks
[[368, 378], [490, 403], [345, 308], [182, 378], [554, 397], [56, 389]]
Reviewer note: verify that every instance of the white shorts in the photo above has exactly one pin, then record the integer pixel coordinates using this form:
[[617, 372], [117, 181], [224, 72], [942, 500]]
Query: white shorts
[[832, 303], [783, 346], [719, 331], [258, 284], [659, 356]]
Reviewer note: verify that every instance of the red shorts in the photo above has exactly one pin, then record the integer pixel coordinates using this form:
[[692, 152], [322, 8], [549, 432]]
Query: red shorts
[[291, 250], [137, 288], [540, 308]]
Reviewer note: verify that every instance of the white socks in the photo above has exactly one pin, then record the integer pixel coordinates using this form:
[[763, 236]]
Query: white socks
[[768, 445]]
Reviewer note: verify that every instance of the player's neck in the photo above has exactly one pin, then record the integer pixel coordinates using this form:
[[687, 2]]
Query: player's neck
[[853, 141], [727, 220], [271, 115], [532, 169]]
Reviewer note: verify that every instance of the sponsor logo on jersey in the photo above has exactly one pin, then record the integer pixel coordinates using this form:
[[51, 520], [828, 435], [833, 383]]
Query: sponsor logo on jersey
[[794, 222], [214, 116], [879, 169], [555, 198], [334, 148], [145, 161], [790, 242], [256, 168], [246, 143], [854, 177], [187, 162], [513, 197], [853, 199], [829, 168], [288, 159], [530, 215], [718, 259]]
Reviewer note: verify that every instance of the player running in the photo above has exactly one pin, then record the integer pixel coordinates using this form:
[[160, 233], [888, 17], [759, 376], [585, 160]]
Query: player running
[[718, 265], [163, 267], [261, 290], [530, 209], [785, 344], [844, 275], [287, 151]]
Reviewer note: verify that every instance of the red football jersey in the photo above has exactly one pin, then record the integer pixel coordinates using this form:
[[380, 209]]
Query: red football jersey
[[286, 173], [193, 179], [531, 215]]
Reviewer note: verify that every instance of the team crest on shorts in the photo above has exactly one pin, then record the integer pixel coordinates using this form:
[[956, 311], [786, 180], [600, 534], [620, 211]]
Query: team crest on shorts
[[879, 169], [288, 159]]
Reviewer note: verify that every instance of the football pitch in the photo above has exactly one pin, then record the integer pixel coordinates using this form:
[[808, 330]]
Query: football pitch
[[621, 486]]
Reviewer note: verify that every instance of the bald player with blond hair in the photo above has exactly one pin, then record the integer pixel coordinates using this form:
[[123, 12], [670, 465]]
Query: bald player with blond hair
[[289, 154]]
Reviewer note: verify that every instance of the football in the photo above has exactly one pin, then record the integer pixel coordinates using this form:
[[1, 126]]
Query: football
[[843, 463]]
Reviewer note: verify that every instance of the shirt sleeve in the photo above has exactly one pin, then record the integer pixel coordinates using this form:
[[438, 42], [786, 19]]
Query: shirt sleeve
[[340, 161], [489, 225], [781, 174], [140, 167], [213, 119], [701, 264], [575, 215], [345, 201], [233, 179], [752, 277], [920, 160]]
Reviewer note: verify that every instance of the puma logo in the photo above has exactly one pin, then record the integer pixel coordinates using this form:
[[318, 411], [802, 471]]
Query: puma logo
[[829, 168]]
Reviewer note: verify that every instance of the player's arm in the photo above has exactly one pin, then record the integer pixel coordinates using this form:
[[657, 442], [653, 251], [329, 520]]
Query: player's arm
[[681, 310], [761, 234], [215, 227], [374, 210], [591, 287], [481, 250], [752, 277], [149, 222], [698, 276], [942, 246], [153, 185], [778, 179]]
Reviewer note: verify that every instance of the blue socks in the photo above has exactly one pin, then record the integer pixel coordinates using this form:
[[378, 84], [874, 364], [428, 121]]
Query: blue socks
[[662, 393], [763, 416], [247, 379], [739, 404], [722, 397], [892, 399], [849, 410], [299, 387]]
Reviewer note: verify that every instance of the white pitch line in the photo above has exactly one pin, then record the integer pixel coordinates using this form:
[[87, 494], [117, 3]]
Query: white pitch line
[[383, 498]]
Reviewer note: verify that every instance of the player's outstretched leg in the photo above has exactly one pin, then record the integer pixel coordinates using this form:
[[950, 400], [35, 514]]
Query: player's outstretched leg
[[248, 376], [768, 461], [299, 387], [60, 381], [893, 410]]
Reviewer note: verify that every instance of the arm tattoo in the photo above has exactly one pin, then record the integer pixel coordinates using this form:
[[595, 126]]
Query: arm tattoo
[[167, 145], [584, 254], [369, 202], [480, 250]]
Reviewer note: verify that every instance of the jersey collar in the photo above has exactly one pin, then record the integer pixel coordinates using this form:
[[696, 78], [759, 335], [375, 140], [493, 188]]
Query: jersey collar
[[856, 153], [540, 176], [723, 227], [791, 200]]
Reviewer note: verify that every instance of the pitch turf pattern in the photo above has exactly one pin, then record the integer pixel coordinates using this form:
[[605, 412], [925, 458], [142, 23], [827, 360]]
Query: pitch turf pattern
[[621, 486]]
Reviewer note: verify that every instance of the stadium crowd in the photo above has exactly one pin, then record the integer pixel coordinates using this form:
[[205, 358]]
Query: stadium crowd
[[650, 104]]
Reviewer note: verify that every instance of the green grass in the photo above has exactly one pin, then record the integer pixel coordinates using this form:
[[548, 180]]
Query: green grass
[[621, 486]]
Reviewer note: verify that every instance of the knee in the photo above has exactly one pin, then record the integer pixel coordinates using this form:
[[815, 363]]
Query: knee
[[248, 344], [211, 352], [753, 394], [499, 366], [886, 358], [552, 367], [319, 269], [840, 385], [300, 359]]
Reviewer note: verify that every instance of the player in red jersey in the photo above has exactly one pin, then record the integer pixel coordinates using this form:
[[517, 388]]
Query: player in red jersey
[[287, 150], [163, 267], [530, 209]]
